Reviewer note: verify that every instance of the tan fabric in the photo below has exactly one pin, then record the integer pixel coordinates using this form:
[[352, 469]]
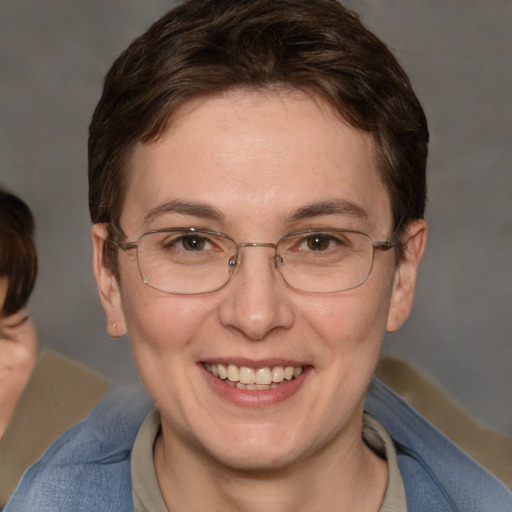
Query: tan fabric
[[491, 449], [146, 493], [147, 496], [60, 393], [380, 442]]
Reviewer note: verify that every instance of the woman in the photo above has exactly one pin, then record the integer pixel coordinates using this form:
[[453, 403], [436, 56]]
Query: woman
[[18, 269], [41, 394], [257, 189]]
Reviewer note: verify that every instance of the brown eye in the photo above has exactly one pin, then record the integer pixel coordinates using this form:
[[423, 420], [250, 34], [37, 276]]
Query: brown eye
[[185, 242], [193, 243], [318, 242]]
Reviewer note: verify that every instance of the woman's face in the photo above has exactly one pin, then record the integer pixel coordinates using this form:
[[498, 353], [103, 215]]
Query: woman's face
[[9, 325], [257, 166], [17, 334]]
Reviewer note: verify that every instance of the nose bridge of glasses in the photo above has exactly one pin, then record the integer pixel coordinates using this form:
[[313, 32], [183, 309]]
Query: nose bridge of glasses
[[257, 244], [233, 262]]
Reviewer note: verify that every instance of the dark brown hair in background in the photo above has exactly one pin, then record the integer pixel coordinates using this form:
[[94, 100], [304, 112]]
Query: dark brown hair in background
[[18, 256]]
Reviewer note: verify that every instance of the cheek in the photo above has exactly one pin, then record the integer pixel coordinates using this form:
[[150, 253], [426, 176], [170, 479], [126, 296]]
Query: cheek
[[160, 329], [159, 324], [352, 320]]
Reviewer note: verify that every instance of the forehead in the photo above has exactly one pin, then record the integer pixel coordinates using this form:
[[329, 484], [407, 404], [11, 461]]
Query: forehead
[[271, 151]]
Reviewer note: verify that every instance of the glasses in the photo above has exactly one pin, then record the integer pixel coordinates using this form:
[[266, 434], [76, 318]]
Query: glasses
[[192, 261]]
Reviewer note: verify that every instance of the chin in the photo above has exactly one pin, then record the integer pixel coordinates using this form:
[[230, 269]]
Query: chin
[[256, 452], [256, 462]]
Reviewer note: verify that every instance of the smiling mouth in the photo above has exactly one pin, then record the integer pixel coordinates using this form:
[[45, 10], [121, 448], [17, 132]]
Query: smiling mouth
[[243, 377]]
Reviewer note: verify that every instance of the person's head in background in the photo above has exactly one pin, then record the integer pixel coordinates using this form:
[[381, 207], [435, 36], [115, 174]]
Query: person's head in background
[[18, 270]]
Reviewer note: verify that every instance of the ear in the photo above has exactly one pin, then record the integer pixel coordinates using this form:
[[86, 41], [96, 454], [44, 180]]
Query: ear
[[108, 286], [404, 284]]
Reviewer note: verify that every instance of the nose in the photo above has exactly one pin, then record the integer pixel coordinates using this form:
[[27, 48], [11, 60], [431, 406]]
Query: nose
[[257, 300]]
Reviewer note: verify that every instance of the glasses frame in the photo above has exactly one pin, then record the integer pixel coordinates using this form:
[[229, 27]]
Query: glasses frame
[[235, 261]]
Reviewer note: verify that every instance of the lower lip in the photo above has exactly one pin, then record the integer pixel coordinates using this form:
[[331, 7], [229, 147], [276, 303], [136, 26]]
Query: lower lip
[[255, 398]]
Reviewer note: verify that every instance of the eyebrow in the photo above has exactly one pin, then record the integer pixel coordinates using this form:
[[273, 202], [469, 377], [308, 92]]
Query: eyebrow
[[205, 211], [196, 209], [18, 323], [330, 207]]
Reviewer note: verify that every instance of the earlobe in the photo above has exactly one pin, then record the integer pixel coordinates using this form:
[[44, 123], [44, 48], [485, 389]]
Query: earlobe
[[108, 286], [404, 284]]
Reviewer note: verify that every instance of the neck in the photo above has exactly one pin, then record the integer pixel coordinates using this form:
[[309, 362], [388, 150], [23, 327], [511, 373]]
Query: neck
[[342, 477]]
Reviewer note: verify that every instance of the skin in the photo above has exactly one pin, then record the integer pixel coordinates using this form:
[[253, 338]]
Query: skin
[[18, 351], [256, 158]]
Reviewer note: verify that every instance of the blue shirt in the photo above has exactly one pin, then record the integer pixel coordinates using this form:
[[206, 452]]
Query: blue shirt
[[88, 468]]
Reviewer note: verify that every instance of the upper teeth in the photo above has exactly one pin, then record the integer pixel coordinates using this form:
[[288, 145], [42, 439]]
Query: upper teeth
[[246, 375]]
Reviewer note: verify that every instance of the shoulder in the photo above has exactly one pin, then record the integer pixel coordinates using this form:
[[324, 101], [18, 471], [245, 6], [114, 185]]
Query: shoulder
[[436, 473], [88, 467], [60, 393]]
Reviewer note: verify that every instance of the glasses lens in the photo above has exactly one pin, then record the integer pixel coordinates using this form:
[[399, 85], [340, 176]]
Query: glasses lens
[[325, 261], [185, 261]]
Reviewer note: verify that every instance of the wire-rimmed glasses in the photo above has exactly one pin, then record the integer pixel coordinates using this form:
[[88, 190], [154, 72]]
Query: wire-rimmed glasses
[[192, 261]]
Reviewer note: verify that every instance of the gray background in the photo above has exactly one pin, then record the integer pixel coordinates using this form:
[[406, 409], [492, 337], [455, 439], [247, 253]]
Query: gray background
[[53, 56]]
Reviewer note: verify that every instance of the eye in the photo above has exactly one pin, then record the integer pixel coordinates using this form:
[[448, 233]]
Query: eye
[[12, 322], [188, 242], [320, 242], [193, 242]]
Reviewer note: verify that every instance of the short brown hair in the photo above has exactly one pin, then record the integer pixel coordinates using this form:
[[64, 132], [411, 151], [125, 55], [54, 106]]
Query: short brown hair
[[210, 46], [18, 256]]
